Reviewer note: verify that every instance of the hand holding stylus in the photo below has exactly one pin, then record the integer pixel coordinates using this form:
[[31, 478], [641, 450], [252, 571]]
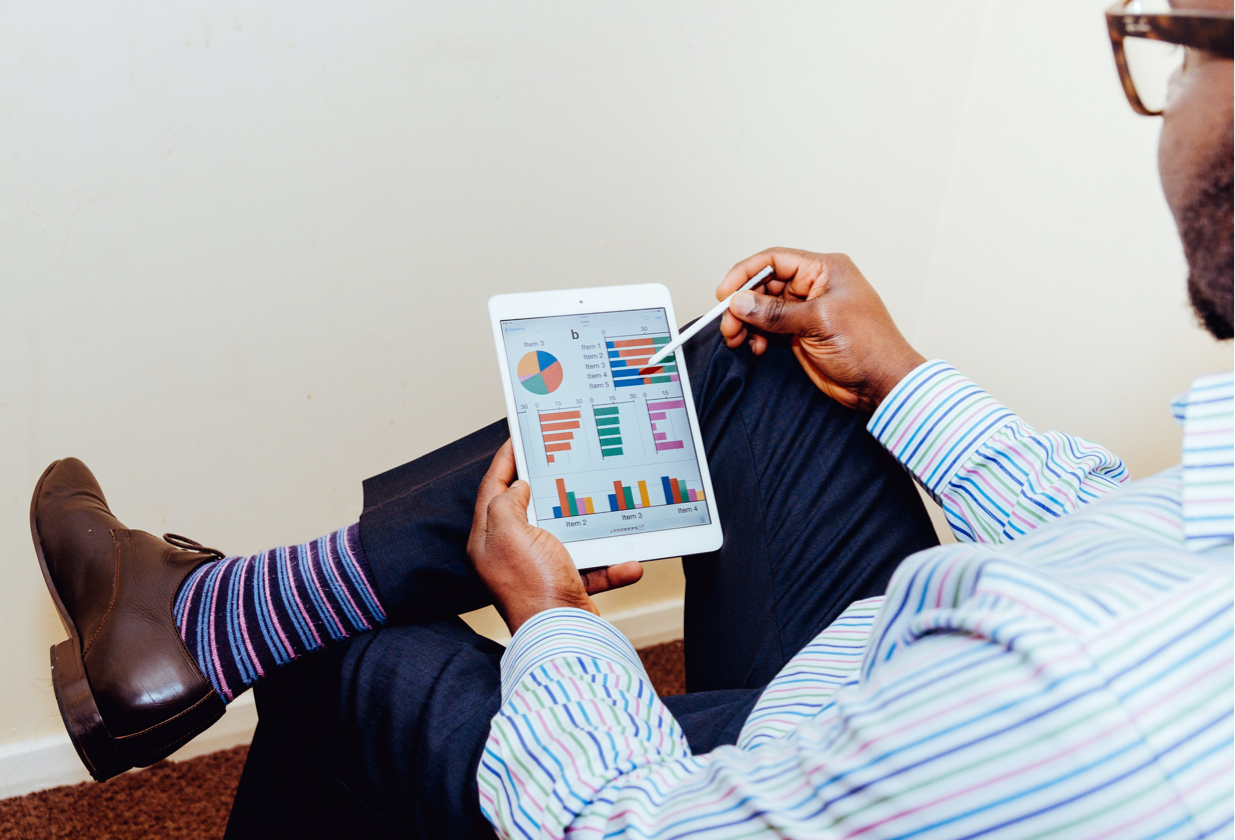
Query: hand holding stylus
[[712, 314], [843, 335]]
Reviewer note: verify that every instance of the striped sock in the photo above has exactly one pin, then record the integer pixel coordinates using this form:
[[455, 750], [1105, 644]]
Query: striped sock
[[242, 616]]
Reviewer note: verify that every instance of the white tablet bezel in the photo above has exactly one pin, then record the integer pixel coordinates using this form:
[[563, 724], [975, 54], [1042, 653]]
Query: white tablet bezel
[[605, 551]]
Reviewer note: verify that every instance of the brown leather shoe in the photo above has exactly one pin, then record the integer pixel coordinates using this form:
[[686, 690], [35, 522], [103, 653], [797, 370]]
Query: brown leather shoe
[[129, 691]]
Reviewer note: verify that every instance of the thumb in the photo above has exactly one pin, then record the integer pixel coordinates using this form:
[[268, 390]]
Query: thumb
[[773, 314], [511, 504]]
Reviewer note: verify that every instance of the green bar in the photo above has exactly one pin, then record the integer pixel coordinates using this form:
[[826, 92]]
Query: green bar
[[574, 507], [605, 453], [659, 380], [669, 367], [611, 431], [660, 340], [608, 409], [607, 421], [681, 486], [630, 497]]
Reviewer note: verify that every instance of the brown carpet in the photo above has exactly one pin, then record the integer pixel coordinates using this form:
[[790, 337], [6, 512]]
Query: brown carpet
[[188, 800]]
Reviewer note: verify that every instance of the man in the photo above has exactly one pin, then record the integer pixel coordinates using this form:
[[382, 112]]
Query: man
[[1065, 670]]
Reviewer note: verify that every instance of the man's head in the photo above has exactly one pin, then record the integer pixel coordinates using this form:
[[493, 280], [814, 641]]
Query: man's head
[[1195, 163]]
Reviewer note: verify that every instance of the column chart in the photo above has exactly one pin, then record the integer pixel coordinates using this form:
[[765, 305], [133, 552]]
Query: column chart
[[628, 358]]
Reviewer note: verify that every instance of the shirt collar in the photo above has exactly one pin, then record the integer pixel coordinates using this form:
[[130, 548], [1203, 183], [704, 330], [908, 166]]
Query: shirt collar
[[1207, 414]]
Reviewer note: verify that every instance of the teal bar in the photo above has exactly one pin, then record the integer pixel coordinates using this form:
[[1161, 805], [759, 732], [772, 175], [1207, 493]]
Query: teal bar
[[574, 507], [605, 453], [630, 498], [681, 486], [607, 421], [608, 409], [611, 432]]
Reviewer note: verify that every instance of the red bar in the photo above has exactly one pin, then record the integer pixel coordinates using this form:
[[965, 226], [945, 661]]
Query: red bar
[[560, 436], [677, 491], [561, 496], [621, 495], [651, 371], [559, 427], [557, 447], [646, 341], [561, 415]]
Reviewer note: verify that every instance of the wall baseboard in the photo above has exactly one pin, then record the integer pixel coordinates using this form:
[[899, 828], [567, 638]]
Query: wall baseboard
[[51, 761]]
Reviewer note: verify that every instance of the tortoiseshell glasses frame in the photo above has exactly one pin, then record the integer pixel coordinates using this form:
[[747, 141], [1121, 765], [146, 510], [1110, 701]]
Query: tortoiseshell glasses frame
[[1193, 28]]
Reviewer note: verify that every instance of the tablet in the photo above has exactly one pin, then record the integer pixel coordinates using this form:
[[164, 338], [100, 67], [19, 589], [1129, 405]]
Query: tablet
[[610, 447]]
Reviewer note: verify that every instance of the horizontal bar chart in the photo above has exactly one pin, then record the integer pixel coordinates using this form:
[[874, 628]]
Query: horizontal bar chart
[[628, 361], [658, 415], [558, 429], [608, 429]]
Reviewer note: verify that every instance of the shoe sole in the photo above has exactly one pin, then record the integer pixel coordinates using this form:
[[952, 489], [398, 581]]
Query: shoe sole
[[94, 744]]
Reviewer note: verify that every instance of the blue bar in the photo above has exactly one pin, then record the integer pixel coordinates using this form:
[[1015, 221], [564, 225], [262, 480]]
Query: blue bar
[[557, 512], [618, 363], [625, 372], [628, 383], [613, 505], [664, 482]]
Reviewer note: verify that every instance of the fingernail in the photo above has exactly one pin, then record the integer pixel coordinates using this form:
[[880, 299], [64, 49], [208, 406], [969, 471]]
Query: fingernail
[[743, 304], [518, 482]]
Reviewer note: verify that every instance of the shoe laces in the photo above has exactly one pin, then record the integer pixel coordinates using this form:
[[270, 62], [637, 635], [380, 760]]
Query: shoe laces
[[192, 545]]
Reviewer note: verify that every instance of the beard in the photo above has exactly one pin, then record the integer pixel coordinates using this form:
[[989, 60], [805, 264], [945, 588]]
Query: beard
[[1206, 228]]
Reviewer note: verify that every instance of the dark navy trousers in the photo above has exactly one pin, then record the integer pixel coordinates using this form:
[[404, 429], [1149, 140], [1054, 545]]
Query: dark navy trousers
[[381, 734]]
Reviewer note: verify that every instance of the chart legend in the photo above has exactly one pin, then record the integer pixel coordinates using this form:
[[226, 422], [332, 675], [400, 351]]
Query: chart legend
[[628, 360]]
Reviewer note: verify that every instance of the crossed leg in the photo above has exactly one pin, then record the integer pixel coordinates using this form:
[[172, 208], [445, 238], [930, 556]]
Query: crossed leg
[[384, 732]]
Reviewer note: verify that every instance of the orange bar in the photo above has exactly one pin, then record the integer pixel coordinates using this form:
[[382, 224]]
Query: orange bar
[[677, 491], [587, 505], [645, 341], [621, 496], [557, 447], [550, 459], [561, 415], [561, 497], [559, 427], [560, 436], [643, 494], [634, 352]]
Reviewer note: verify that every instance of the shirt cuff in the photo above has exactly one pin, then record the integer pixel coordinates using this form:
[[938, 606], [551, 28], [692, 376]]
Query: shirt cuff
[[564, 632], [934, 420]]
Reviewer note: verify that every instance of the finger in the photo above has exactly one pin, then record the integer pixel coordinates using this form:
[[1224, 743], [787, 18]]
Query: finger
[[510, 505], [785, 263], [614, 577], [774, 314], [758, 343], [496, 480]]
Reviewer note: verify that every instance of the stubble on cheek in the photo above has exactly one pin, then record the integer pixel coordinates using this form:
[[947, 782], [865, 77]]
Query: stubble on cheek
[[1207, 228]]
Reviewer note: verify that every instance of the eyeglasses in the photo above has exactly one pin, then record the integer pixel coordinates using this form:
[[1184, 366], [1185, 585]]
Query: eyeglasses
[[1151, 41]]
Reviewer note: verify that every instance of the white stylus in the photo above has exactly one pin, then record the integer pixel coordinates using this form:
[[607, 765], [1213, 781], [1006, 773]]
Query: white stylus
[[716, 312]]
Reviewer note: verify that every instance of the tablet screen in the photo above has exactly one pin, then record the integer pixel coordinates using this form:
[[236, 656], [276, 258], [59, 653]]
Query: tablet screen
[[607, 440]]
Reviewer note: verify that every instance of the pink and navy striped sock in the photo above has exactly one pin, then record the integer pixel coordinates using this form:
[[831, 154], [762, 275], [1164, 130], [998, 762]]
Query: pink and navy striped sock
[[240, 617]]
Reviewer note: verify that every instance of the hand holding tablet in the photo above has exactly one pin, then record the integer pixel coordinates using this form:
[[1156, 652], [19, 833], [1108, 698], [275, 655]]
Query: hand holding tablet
[[608, 443]]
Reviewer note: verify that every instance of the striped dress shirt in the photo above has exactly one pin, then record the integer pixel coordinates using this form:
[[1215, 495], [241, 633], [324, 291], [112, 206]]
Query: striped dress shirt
[[1065, 670]]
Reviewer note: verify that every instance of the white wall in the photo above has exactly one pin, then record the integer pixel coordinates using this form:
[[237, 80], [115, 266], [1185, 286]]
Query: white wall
[[245, 248]]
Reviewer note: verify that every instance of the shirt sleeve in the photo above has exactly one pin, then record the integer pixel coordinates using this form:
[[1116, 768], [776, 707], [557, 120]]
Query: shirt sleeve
[[995, 477]]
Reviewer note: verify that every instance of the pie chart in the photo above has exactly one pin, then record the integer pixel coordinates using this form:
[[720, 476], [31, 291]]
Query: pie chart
[[540, 372]]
